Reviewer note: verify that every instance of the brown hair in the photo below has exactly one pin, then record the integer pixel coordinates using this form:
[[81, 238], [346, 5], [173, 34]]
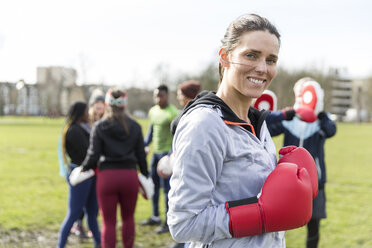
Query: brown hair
[[114, 113], [244, 23], [190, 88]]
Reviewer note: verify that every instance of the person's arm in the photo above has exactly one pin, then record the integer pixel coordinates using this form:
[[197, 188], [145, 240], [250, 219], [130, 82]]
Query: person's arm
[[94, 150], [274, 119], [326, 124], [61, 161], [199, 150], [148, 138], [274, 123], [140, 153]]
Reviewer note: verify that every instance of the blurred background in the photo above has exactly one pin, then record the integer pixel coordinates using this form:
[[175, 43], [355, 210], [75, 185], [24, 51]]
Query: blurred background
[[53, 53]]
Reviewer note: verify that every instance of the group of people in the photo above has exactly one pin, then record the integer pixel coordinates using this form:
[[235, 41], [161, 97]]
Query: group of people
[[227, 188], [103, 137], [113, 146]]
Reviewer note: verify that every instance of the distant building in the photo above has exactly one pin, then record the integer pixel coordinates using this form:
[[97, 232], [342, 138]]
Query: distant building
[[52, 94], [56, 89], [361, 101], [341, 93], [7, 102], [57, 84]]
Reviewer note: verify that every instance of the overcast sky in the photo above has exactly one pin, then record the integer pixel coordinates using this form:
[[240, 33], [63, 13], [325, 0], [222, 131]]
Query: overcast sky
[[122, 42]]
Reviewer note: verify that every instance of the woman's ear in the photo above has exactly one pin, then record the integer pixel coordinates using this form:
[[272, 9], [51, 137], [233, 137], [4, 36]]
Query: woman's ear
[[223, 58]]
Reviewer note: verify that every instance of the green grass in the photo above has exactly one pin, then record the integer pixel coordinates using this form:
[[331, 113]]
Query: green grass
[[34, 196]]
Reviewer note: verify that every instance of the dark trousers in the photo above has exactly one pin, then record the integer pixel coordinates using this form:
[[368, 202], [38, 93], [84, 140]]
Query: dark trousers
[[158, 183], [312, 233], [81, 197]]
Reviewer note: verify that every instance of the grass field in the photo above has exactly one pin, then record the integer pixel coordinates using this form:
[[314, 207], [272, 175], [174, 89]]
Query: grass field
[[33, 196]]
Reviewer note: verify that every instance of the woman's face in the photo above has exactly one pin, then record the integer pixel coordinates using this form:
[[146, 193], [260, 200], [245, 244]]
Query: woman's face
[[252, 63], [182, 99], [99, 108]]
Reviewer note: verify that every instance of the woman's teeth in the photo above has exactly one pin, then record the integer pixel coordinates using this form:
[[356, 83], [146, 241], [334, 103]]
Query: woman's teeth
[[256, 81]]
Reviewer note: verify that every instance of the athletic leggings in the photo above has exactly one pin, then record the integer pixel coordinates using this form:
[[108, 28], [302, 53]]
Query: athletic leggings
[[158, 183], [81, 197], [117, 186], [312, 233]]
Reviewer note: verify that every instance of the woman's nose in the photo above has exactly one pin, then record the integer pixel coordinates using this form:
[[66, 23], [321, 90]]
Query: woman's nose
[[261, 66]]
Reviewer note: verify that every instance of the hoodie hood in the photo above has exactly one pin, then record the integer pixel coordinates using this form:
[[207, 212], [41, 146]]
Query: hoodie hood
[[113, 129], [230, 118]]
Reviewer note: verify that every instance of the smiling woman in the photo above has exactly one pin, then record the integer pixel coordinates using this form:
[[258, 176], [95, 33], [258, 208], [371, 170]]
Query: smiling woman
[[256, 55], [224, 155]]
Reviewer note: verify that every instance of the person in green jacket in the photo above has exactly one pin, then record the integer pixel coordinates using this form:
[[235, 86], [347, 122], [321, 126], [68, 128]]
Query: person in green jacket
[[161, 116]]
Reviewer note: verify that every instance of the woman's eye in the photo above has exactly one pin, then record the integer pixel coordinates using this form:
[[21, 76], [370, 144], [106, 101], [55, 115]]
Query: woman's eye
[[271, 61], [251, 55]]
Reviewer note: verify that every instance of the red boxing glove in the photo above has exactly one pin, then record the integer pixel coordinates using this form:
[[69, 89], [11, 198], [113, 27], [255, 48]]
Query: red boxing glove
[[285, 203], [303, 159], [305, 114]]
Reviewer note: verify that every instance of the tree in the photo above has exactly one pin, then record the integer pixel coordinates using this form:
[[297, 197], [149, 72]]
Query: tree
[[208, 77]]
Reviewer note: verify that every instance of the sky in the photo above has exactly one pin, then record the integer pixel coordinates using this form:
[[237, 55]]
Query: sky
[[126, 42]]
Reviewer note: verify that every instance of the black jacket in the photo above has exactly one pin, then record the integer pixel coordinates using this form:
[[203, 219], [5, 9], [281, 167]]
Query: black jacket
[[207, 97], [77, 142], [111, 148]]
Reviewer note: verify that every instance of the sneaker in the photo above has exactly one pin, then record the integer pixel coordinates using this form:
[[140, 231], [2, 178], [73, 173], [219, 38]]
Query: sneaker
[[152, 221], [78, 230], [74, 228], [162, 229]]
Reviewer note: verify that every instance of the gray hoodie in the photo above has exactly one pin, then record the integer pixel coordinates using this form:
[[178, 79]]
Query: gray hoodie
[[216, 159]]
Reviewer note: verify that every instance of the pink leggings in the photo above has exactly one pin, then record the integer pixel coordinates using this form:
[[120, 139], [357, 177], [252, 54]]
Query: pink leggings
[[113, 187]]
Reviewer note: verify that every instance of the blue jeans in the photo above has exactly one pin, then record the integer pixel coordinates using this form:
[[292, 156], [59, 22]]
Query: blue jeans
[[158, 183], [81, 197]]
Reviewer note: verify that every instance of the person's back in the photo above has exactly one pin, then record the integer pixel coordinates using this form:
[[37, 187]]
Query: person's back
[[117, 148]]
